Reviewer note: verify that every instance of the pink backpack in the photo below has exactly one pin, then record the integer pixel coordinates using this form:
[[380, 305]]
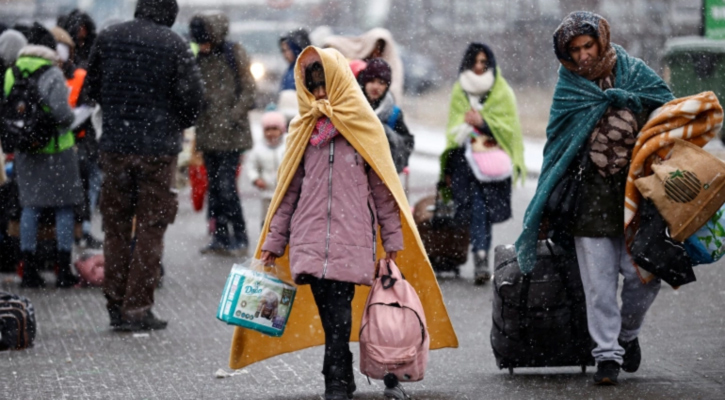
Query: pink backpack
[[393, 334]]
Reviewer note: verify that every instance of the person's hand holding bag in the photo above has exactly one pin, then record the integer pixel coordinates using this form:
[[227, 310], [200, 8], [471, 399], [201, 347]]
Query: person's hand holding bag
[[268, 258]]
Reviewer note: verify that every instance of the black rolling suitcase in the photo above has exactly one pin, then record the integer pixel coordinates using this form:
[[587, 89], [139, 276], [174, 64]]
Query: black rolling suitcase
[[445, 239], [539, 319]]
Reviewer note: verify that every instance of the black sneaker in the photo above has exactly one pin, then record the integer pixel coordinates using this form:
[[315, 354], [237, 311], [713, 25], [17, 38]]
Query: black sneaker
[[632, 355], [148, 323], [607, 373]]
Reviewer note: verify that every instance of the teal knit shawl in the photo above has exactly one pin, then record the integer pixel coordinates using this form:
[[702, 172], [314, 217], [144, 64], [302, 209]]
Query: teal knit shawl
[[578, 105]]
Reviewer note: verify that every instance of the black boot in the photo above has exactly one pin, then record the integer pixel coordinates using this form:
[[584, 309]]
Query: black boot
[[66, 277], [336, 386], [31, 272], [350, 376]]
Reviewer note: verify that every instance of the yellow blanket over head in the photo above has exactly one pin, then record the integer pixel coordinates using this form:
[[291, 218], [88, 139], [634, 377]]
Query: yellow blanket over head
[[349, 111]]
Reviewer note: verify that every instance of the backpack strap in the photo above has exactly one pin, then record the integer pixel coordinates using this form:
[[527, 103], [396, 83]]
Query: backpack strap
[[393, 118], [231, 57]]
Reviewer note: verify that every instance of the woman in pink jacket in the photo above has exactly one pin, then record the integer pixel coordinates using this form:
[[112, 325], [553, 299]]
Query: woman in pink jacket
[[330, 216]]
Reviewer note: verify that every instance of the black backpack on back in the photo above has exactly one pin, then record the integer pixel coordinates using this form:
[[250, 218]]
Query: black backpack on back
[[26, 124]]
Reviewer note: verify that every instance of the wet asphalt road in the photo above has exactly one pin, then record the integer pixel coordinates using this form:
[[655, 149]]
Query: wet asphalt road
[[78, 357]]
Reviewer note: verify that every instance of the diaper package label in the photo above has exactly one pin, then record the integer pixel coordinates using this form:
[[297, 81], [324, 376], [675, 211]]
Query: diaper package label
[[256, 300]]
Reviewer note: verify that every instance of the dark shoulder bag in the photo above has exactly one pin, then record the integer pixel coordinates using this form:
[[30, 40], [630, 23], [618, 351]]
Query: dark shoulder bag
[[562, 202]]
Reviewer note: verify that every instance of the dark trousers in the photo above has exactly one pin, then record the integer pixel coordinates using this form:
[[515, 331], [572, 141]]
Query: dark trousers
[[139, 186], [224, 204], [334, 302]]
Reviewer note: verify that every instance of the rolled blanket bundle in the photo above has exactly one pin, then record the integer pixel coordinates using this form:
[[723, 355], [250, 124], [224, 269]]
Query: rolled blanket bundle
[[696, 119]]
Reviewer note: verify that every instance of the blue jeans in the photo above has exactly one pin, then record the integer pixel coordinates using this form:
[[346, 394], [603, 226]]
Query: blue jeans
[[468, 193], [480, 223], [64, 221]]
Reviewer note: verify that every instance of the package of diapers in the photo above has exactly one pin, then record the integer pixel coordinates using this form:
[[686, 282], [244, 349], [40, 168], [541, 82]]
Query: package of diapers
[[255, 298]]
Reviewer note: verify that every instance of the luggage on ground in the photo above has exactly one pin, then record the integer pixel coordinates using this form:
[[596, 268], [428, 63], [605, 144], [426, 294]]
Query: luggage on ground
[[17, 322], [393, 333], [539, 319], [256, 299], [445, 239]]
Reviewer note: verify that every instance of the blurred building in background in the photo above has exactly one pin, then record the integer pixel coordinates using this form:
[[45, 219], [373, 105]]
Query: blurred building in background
[[520, 31], [429, 31]]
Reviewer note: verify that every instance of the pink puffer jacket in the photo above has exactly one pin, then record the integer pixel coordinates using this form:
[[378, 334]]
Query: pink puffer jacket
[[329, 216]]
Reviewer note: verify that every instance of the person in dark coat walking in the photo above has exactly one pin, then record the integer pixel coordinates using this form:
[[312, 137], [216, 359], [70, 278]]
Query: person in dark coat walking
[[222, 130], [145, 79], [47, 178]]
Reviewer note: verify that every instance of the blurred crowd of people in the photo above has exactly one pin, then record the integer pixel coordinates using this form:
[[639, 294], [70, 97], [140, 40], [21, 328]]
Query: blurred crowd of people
[[116, 132]]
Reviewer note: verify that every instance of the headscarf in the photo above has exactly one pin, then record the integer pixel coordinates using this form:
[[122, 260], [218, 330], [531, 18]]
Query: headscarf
[[585, 23], [348, 109]]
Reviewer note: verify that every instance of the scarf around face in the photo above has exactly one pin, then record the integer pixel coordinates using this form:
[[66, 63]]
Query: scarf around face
[[350, 113], [323, 133], [578, 105], [585, 23], [476, 86]]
